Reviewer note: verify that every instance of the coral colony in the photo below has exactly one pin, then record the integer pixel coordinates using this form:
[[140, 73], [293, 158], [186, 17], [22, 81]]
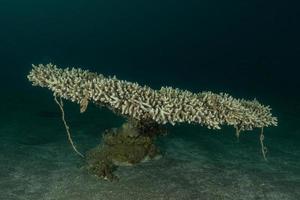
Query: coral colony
[[147, 110]]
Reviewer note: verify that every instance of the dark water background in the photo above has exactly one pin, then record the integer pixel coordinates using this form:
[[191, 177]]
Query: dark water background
[[246, 48], [236, 46]]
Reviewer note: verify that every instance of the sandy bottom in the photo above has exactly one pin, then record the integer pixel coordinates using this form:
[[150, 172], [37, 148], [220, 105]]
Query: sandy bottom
[[37, 162]]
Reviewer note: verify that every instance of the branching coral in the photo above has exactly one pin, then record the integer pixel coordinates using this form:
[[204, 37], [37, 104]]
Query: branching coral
[[149, 107], [167, 105]]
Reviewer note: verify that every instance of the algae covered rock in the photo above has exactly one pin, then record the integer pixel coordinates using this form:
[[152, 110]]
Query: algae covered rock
[[130, 144]]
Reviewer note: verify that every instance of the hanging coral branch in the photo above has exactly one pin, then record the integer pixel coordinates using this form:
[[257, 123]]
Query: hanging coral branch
[[61, 106]]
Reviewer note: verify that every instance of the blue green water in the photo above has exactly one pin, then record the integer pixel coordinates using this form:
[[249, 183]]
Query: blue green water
[[249, 49]]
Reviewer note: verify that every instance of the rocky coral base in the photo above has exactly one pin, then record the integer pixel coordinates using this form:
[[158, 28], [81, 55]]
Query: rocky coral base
[[130, 144]]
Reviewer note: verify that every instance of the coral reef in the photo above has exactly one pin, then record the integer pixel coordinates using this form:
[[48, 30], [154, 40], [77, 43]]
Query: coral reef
[[147, 110]]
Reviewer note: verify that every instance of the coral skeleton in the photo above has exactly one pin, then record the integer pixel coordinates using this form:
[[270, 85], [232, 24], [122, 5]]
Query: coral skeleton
[[144, 104]]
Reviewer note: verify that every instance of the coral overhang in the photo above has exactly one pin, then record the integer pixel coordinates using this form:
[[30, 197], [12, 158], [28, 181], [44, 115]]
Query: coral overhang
[[167, 105]]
